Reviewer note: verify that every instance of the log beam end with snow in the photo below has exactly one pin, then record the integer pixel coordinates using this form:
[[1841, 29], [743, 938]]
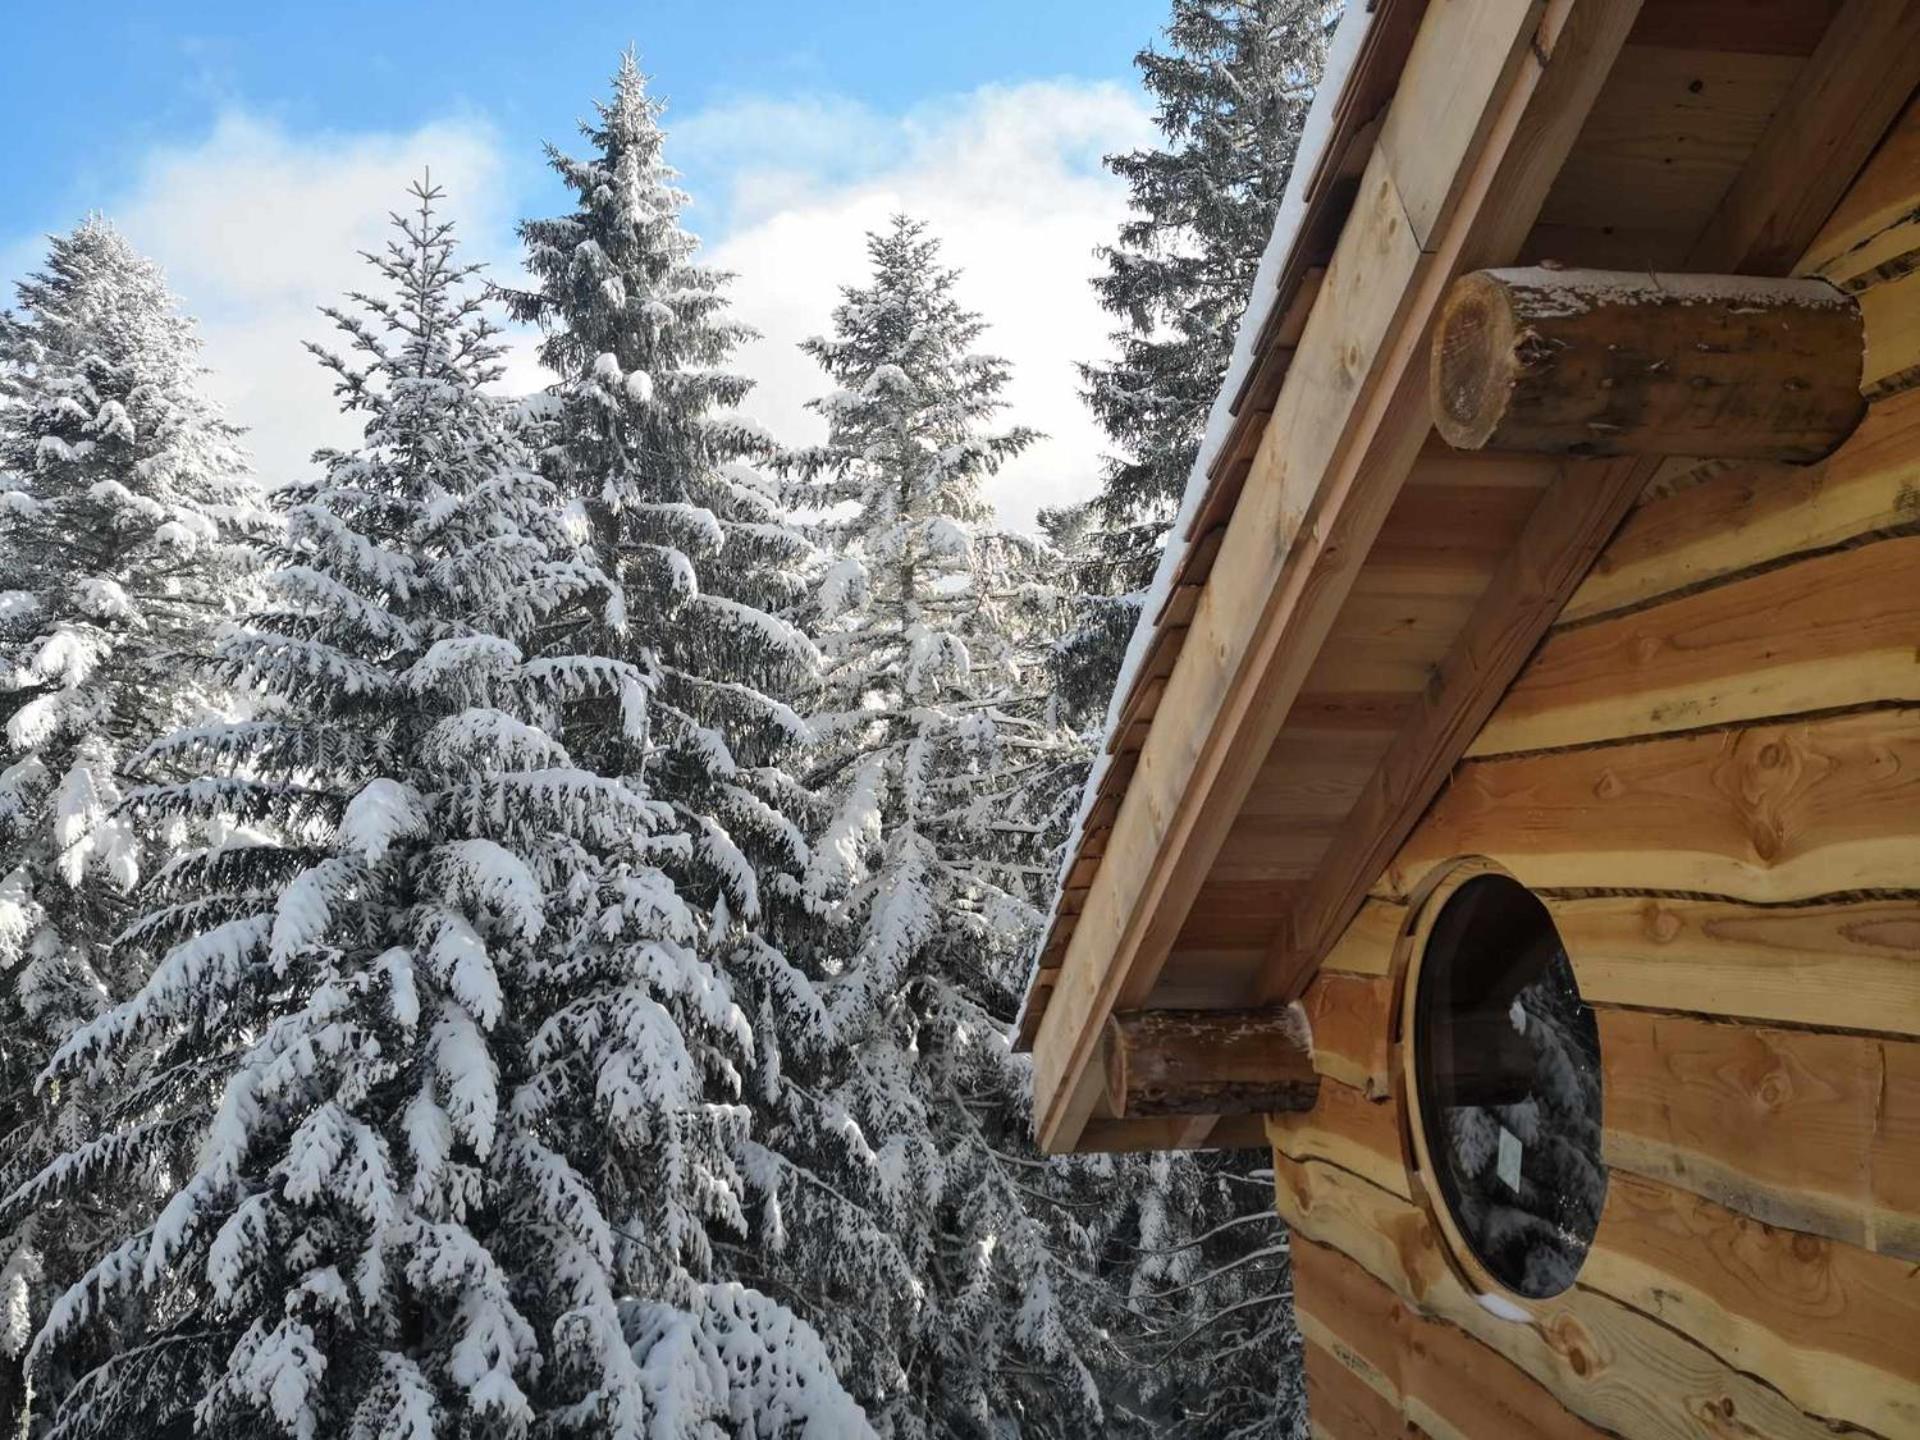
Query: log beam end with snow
[[1589, 362], [1210, 1062]]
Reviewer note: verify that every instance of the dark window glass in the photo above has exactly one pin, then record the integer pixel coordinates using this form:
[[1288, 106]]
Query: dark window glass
[[1507, 1060]]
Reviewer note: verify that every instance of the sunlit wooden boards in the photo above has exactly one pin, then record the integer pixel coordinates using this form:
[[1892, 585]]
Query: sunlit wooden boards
[[1688, 1321], [1710, 769], [1341, 440]]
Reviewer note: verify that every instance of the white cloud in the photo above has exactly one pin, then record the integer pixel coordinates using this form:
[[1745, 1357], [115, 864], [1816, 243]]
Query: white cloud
[[257, 228], [1008, 178]]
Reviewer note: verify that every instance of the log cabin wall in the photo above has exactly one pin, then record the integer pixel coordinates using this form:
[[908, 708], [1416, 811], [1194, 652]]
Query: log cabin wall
[[1710, 771]]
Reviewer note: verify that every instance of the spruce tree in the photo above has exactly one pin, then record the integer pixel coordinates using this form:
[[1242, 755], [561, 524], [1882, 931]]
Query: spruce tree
[[431, 1064], [1232, 88], [942, 767], [125, 510], [643, 434]]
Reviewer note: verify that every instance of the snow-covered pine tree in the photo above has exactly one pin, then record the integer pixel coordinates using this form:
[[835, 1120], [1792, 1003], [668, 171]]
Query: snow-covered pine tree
[[644, 434], [125, 512], [936, 746], [1233, 86], [431, 1047]]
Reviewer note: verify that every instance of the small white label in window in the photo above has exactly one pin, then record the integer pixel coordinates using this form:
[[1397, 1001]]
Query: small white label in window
[[1508, 1165]]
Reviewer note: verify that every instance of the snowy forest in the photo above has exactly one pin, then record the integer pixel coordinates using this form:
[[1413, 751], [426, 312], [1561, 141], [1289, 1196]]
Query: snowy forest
[[515, 929]]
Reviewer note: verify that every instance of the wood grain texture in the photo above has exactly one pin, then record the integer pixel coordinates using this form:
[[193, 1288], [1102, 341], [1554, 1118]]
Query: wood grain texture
[[1430, 1375], [1751, 515], [1209, 1062], [1874, 233], [1607, 1362], [1343, 1403], [1668, 135], [1771, 813], [1892, 314], [1827, 1324], [1552, 361], [1350, 1018], [1853, 87], [1806, 1130], [1835, 630], [1566, 530], [1847, 965], [1350, 1129], [1824, 1321]]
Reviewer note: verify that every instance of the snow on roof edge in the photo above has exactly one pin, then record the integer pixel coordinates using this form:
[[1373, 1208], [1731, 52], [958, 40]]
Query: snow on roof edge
[[1315, 133]]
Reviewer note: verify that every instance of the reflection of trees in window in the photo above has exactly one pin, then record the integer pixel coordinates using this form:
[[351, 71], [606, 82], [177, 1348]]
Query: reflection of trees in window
[[1508, 1063]]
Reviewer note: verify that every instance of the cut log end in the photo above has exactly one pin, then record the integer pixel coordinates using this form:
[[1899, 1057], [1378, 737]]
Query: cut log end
[[1210, 1062], [1597, 363], [1472, 363]]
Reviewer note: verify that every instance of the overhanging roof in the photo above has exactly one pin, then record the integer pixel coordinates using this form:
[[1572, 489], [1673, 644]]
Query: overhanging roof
[[1344, 599]]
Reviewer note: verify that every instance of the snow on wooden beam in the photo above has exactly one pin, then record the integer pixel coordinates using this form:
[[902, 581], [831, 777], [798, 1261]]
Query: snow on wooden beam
[[1210, 1062], [1590, 362]]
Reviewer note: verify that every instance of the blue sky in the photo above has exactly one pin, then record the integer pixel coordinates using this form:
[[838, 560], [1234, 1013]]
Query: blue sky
[[120, 78], [252, 148]]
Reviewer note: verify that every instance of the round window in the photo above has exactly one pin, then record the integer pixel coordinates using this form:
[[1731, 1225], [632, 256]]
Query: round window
[[1506, 1067]]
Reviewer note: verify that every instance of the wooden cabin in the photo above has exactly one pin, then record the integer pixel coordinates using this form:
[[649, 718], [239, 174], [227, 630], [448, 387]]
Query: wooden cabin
[[1511, 813]]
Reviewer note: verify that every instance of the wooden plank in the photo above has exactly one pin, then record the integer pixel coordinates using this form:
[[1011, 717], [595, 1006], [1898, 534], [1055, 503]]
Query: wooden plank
[[1892, 313], [1874, 234], [1341, 1404], [1828, 1325], [1849, 966], [1854, 85], [1799, 1129], [1753, 515], [1668, 135], [1566, 530], [1762, 27], [1349, 1129], [1439, 114], [1772, 813], [1825, 1322], [1350, 1019], [1434, 1377], [1607, 1362], [1852, 966], [1104, 1135], [1835, 630], [1169, 829], [1348, 425]]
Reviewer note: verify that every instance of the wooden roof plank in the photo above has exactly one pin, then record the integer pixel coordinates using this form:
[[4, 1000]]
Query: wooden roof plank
[[1587, 505], [1352, 421]]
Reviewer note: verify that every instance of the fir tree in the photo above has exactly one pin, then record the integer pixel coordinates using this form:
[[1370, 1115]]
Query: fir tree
[[431, 1054], [124, 510], [942, 768], [643, 434], [1233, 86]]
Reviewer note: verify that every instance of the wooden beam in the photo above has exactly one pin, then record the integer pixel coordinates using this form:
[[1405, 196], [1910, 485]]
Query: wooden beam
[[1348, 424], [1210, 1062], [1598, 362]]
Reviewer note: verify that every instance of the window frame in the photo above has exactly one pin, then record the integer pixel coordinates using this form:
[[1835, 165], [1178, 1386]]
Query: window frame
[[1423, 1174]]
